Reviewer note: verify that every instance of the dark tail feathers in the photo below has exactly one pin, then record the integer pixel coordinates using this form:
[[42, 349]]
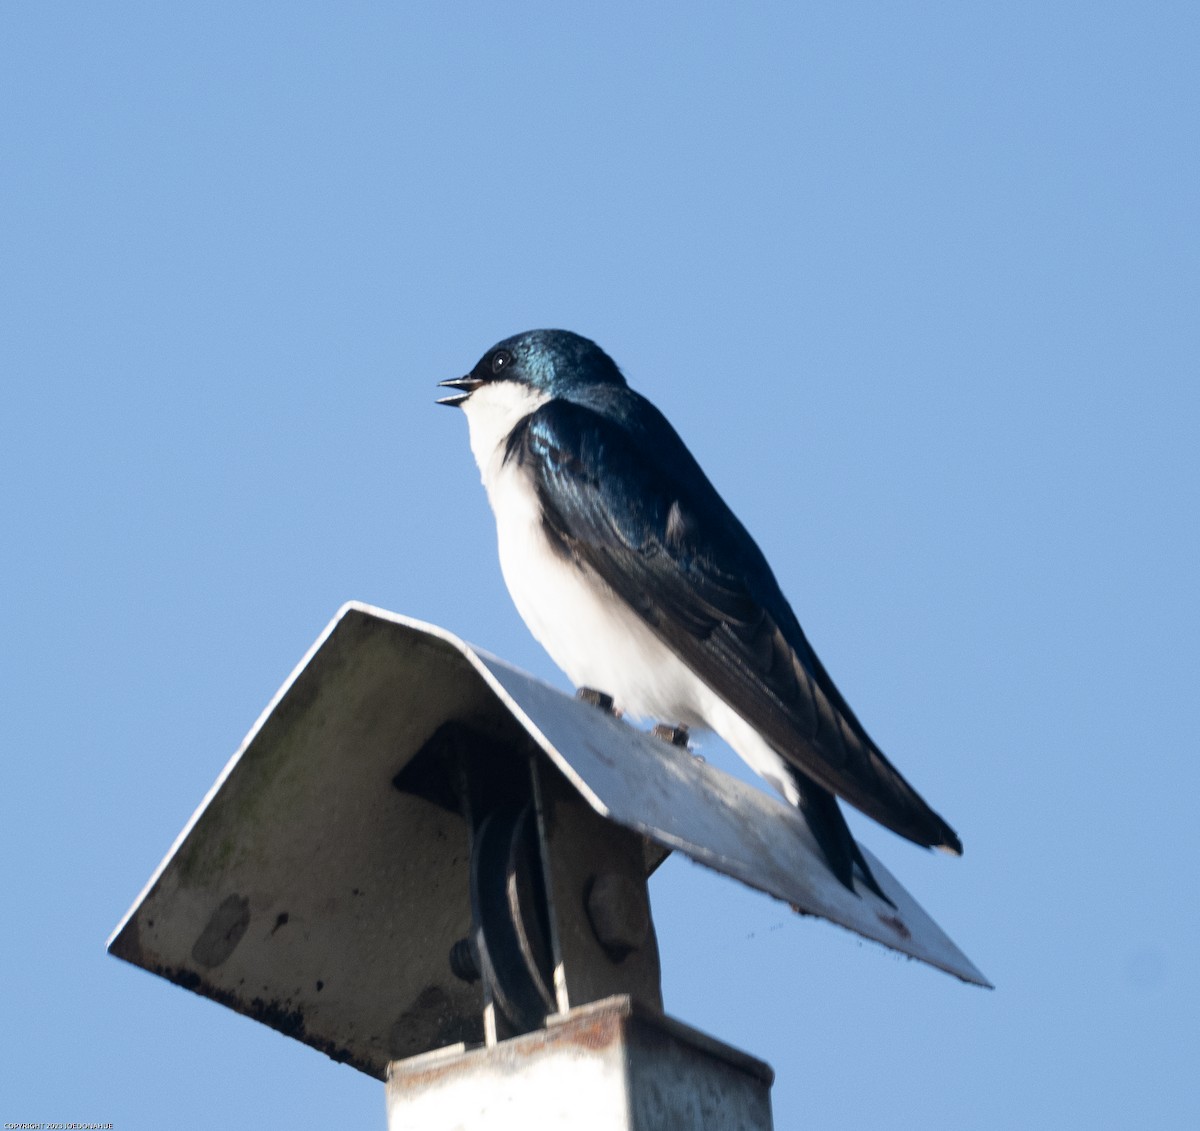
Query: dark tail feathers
[[828, 825]]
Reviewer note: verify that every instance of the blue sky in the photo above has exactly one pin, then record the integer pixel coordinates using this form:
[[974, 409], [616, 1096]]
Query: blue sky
[[917, 283]]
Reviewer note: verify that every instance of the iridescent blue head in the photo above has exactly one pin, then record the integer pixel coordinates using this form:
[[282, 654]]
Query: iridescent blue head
[[553, 362]]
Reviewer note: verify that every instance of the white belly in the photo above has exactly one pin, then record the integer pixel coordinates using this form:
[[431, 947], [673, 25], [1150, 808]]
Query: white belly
[[589, 632]]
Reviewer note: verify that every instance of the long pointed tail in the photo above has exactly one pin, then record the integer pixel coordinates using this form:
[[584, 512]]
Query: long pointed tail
[[828, 825]]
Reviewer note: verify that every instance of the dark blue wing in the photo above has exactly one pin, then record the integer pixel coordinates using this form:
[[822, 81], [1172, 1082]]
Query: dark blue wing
[[631, 503]]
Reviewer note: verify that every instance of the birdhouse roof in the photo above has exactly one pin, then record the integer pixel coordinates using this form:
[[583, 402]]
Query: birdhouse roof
[[312, 893]]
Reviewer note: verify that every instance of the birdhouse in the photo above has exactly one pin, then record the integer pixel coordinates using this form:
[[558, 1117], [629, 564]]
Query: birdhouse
[[426, 859]]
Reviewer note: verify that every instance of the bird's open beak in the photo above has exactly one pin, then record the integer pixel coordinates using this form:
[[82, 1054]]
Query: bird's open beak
[[468, 384]]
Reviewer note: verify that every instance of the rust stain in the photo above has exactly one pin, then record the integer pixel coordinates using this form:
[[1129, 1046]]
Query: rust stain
[[592, 1034], [596, 1034], [281, 1016]]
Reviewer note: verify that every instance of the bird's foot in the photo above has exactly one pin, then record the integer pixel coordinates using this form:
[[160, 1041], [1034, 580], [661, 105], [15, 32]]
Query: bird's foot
[[675, 735], [596, 698]]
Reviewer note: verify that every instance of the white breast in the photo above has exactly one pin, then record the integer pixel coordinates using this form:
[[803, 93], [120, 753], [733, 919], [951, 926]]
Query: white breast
[[589, 632]]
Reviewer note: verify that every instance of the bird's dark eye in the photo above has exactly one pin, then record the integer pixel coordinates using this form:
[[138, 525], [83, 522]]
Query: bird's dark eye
[[501, 360]]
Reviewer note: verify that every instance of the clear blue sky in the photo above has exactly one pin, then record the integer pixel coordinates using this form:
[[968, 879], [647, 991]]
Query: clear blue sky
[[918, 284]]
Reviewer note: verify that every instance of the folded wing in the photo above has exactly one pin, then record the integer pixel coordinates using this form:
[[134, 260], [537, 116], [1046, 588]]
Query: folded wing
[[635, 507]]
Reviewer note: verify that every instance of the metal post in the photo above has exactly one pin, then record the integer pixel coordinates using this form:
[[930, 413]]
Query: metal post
[[611, 1065]]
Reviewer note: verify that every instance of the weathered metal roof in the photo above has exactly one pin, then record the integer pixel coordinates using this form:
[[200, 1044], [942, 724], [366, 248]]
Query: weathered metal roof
[[311, 893]]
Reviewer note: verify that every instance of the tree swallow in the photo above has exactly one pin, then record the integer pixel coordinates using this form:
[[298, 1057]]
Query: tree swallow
[[639, 581]]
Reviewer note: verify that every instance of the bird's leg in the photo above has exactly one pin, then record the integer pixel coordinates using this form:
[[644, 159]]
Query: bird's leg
[[596, 698], [676, 735]]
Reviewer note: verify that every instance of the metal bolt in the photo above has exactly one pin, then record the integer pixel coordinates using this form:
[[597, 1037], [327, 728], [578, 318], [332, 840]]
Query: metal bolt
[[463, 962], [619, 912], [595, 698], [676, 736]]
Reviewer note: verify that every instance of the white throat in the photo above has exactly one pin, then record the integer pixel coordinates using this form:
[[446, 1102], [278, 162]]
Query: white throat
[[493, 410]]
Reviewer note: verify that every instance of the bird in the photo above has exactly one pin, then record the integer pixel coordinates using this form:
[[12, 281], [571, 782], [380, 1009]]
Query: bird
[[637, 578]]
